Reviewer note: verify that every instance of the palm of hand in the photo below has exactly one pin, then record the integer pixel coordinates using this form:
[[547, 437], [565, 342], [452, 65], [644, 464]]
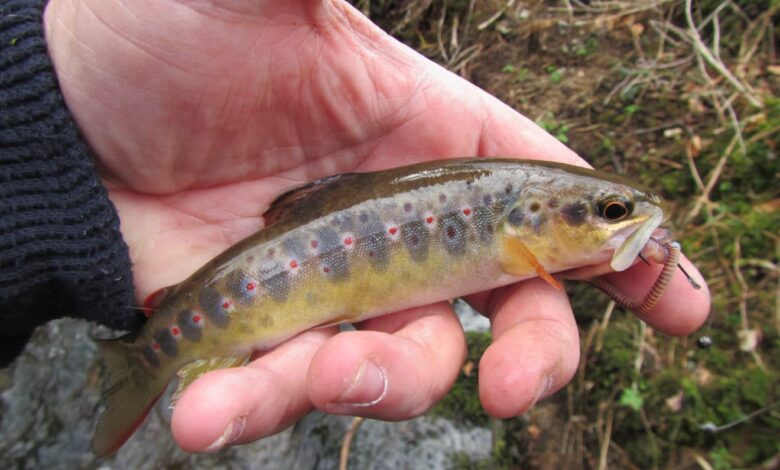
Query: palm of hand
[[200, 114], [215, 111]]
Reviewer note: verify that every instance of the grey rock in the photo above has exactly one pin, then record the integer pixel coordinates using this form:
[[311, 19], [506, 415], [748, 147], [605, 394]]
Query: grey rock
[[50, 400]]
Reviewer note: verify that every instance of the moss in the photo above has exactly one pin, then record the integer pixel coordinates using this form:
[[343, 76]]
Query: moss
[[462, 404]]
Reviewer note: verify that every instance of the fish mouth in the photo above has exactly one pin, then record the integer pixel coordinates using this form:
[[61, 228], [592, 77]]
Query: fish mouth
[[628, 251]]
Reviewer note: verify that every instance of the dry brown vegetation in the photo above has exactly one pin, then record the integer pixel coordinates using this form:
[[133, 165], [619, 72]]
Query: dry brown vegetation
[[681, 95]]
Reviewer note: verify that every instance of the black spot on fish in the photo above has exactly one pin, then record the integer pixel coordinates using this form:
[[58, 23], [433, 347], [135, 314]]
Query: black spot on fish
[[487, 199], [537, 222], [278, 286], [371, 223], [211, 303], [453, 233], [150, 356], [483, 223], [190, 325], [442, 198], [374, 247], [343, 223], [415, 236], [275, 279], [167, 342], [575, 213], [516, 217], [508, 188], [241, 286], [295, 247], [408, 207], [534, 207], [329, 239], [334, 264]]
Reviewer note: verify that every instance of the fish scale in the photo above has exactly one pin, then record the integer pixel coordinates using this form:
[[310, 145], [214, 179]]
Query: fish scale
[[355, 246]]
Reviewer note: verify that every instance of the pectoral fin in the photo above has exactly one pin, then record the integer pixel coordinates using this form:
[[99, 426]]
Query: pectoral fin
[[196, 369], [518, 260]]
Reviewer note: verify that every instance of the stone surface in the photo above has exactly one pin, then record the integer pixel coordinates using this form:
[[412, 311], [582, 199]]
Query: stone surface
[[50, 400]]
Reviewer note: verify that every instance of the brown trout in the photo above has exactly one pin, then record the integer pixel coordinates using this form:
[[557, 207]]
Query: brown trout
[[355, 246]]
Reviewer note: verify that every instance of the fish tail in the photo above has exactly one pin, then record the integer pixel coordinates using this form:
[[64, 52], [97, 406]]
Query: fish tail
[[132, 389]]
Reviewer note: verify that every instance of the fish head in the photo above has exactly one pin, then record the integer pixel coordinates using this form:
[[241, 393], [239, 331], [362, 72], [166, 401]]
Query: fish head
[[577, 217]]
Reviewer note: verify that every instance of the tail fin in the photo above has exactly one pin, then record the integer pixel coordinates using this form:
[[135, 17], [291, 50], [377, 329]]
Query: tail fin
[[133, 388]]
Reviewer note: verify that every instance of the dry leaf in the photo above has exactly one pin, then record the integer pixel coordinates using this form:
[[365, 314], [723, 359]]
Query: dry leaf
[[675, 402], [769, 206], [468, 368], [748, 340], [774, 69], [694, 145], [637, 29], [673, 133], [533, 431], [703, 376]]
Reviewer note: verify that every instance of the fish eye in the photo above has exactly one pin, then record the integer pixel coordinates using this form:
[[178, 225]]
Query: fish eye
[[615, 209]]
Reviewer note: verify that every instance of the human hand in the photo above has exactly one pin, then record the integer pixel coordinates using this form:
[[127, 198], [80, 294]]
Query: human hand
[[201, 112]]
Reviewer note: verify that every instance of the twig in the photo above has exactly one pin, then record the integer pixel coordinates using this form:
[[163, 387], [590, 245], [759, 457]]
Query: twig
[[495, 16], [606, 440], [704, 198], [702, 462], [743, 298], [604, 324], [701, 48], [344, 454]]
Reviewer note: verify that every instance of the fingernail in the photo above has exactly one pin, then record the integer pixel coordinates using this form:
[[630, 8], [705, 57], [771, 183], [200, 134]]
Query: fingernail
[[231, 433], [544, 387], [368, 387]]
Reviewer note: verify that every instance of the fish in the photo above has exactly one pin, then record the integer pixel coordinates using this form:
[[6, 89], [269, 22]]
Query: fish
[[354, 246]]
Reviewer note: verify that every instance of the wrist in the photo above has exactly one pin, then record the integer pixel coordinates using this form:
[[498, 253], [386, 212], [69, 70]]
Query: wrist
[[61, 253]]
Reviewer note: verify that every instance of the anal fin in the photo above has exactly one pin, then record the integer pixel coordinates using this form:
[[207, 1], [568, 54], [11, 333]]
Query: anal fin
[[516, 259], [195, 369]]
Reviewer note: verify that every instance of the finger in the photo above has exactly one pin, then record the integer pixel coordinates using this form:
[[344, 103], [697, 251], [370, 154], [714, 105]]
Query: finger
[[505, 131], [535, 349], [243, 404], [681, 310], [396, 373]]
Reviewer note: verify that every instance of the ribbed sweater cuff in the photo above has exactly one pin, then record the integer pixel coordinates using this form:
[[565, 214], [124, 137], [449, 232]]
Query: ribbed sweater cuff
[[61, 252]]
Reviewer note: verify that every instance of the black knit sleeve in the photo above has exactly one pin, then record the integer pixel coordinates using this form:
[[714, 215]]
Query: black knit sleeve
[[61, 252]]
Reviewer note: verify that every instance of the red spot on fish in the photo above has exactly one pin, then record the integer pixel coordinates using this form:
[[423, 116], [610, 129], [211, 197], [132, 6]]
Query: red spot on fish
[[314, 243], [466, 211], [156, 346], [370, 254], [197, 318], [393, 230], [429, 219], [293, 264], [175, 331], [226, 305], [326, 269], [250, 286], [348, 241]]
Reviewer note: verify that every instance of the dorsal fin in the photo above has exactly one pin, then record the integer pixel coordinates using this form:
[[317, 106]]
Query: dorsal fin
[[309, 197]]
